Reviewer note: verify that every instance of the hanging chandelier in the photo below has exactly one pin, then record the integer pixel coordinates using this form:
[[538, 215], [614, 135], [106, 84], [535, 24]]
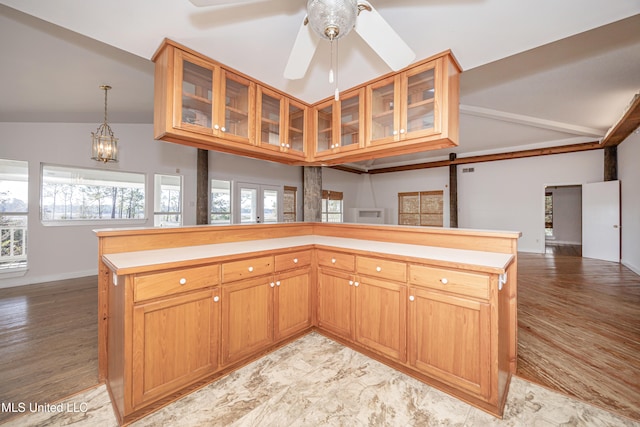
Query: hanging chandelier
[[332, 19], [104, 146]]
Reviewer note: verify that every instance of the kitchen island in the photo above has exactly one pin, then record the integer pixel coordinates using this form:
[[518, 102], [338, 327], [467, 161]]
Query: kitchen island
[[181, 307]]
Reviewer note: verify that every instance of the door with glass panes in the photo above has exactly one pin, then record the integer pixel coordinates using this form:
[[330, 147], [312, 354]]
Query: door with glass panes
[[256, 203]]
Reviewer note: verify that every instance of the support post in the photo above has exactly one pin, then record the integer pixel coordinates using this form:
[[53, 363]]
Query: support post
[[202, 187], [312, 194], [611, 163], [453, 192]]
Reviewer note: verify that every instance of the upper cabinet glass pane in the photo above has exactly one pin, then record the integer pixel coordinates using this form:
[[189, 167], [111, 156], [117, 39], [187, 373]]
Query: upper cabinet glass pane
[[236, 110], [349, 121], [296, 128], [324, 128], [420, 96], [197, 92], [382, 107], [270, 120]]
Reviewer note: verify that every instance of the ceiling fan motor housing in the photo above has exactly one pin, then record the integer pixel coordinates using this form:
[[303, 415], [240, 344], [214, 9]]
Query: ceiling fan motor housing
[[332, 19]]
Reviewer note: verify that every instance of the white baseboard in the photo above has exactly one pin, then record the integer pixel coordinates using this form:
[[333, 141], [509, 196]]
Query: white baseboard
[[11, 282], [631, 267]]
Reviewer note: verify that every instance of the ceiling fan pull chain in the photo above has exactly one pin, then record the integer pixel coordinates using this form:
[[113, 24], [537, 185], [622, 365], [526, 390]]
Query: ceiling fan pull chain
[[337, 92], [331, 65]]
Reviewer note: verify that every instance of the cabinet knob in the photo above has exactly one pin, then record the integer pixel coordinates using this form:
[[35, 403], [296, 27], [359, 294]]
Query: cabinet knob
[[278, 283], [272, 284], [295, 260], [216, 127], [333, 260], [402, 131], [287, 145], [250, 269], [395, 132], [378, 269], [444, 281], [356, 284], [223, 129], [411, 298], [183, 281], [216, 298], [282, 144], [350, 282]]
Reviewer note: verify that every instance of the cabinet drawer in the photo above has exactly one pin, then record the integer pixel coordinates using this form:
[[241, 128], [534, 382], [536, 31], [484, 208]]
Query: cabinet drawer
[[385, 269], [458, 282], [292, 260], [340, 260], [153, 285], [246, 268]]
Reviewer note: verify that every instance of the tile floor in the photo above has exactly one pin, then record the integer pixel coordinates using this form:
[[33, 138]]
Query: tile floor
[[317, 382]]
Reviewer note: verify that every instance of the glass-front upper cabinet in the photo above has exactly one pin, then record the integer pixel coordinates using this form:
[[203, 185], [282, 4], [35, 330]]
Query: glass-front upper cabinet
[[403, 106], [281, 122], [213, 100], [346, 116]]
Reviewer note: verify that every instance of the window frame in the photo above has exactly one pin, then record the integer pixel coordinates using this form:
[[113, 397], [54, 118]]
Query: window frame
[[16, 263], [420, 213], [157, 200], [230, 193], [330, 195], [294, 213]]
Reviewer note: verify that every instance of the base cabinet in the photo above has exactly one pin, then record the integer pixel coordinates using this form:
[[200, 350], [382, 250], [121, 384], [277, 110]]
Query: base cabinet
[[450, 340], [292, 303], [175, 342], [335, 308]]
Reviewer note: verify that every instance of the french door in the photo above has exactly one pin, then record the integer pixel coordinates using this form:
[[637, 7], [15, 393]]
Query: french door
[[256, 203]]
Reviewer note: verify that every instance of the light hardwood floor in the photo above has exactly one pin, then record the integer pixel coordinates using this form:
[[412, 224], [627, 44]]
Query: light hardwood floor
[[579, 333]]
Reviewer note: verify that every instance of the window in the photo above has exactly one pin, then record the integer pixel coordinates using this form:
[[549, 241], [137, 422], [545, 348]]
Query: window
[[167, 192], [289, 205], [220, 202], [423, 208], [14, 197], [331, 206], [80, 195], [548, 214]]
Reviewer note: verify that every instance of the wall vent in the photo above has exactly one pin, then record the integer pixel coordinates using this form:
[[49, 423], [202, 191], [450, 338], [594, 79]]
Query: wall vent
[[466, 170]]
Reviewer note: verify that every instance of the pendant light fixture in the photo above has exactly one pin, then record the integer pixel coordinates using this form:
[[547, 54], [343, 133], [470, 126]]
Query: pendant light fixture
[[104, 146]]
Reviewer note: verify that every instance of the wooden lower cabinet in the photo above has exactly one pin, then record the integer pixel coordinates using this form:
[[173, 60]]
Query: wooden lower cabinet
[[292, 303], [449, 338], [247, 318], [335, 308], [175, 342], [381, 316]]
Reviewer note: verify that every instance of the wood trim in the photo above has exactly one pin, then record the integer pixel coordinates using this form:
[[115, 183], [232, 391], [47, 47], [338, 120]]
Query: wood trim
[[628, 123], [494, 157]]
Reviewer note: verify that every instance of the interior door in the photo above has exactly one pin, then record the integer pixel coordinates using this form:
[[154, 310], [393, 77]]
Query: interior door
[[601, 220], [257, 203]]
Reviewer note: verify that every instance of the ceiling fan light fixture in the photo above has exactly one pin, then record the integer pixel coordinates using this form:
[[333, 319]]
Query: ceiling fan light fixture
[[332, 19]]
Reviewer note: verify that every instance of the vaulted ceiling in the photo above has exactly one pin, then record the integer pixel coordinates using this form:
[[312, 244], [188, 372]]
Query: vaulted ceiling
[[536, 74]]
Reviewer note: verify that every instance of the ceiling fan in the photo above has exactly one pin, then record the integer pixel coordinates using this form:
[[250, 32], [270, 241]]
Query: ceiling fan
[[332, 20]]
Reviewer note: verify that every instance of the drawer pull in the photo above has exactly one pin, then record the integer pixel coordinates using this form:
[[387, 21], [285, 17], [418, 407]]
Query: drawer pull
[[295, 260], [356, 284], [216, 298], [333, 260], [250, 269], [183, 281], [272, 284], [444, 281], [378, 269], [350, 282], [278, 283], [411, 298]]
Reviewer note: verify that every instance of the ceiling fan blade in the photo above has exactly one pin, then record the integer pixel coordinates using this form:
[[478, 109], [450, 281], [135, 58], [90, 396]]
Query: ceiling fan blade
[[204, 3], [301, 53], [379, 35]]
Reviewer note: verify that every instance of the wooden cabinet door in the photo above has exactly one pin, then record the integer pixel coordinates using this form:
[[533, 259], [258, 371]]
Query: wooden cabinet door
[[420, 95], [247, 318], [335, 309], [381, 316], [175, 342], [292, 302], [450, 339], [236, 108]]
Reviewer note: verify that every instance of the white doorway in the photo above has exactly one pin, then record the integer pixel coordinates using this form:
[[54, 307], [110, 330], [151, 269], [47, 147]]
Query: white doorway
[[563, 219], [601, 220], [257, 203]]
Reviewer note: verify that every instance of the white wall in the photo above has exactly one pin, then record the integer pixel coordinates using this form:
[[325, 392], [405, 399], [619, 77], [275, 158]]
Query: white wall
[[629, 176], [60, 252]]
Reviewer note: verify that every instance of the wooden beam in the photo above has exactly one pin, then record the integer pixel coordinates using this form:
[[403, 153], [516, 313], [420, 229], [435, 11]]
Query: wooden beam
[[493, 157], [202, 187], [453, 192], [629, 122], [347, 169]]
